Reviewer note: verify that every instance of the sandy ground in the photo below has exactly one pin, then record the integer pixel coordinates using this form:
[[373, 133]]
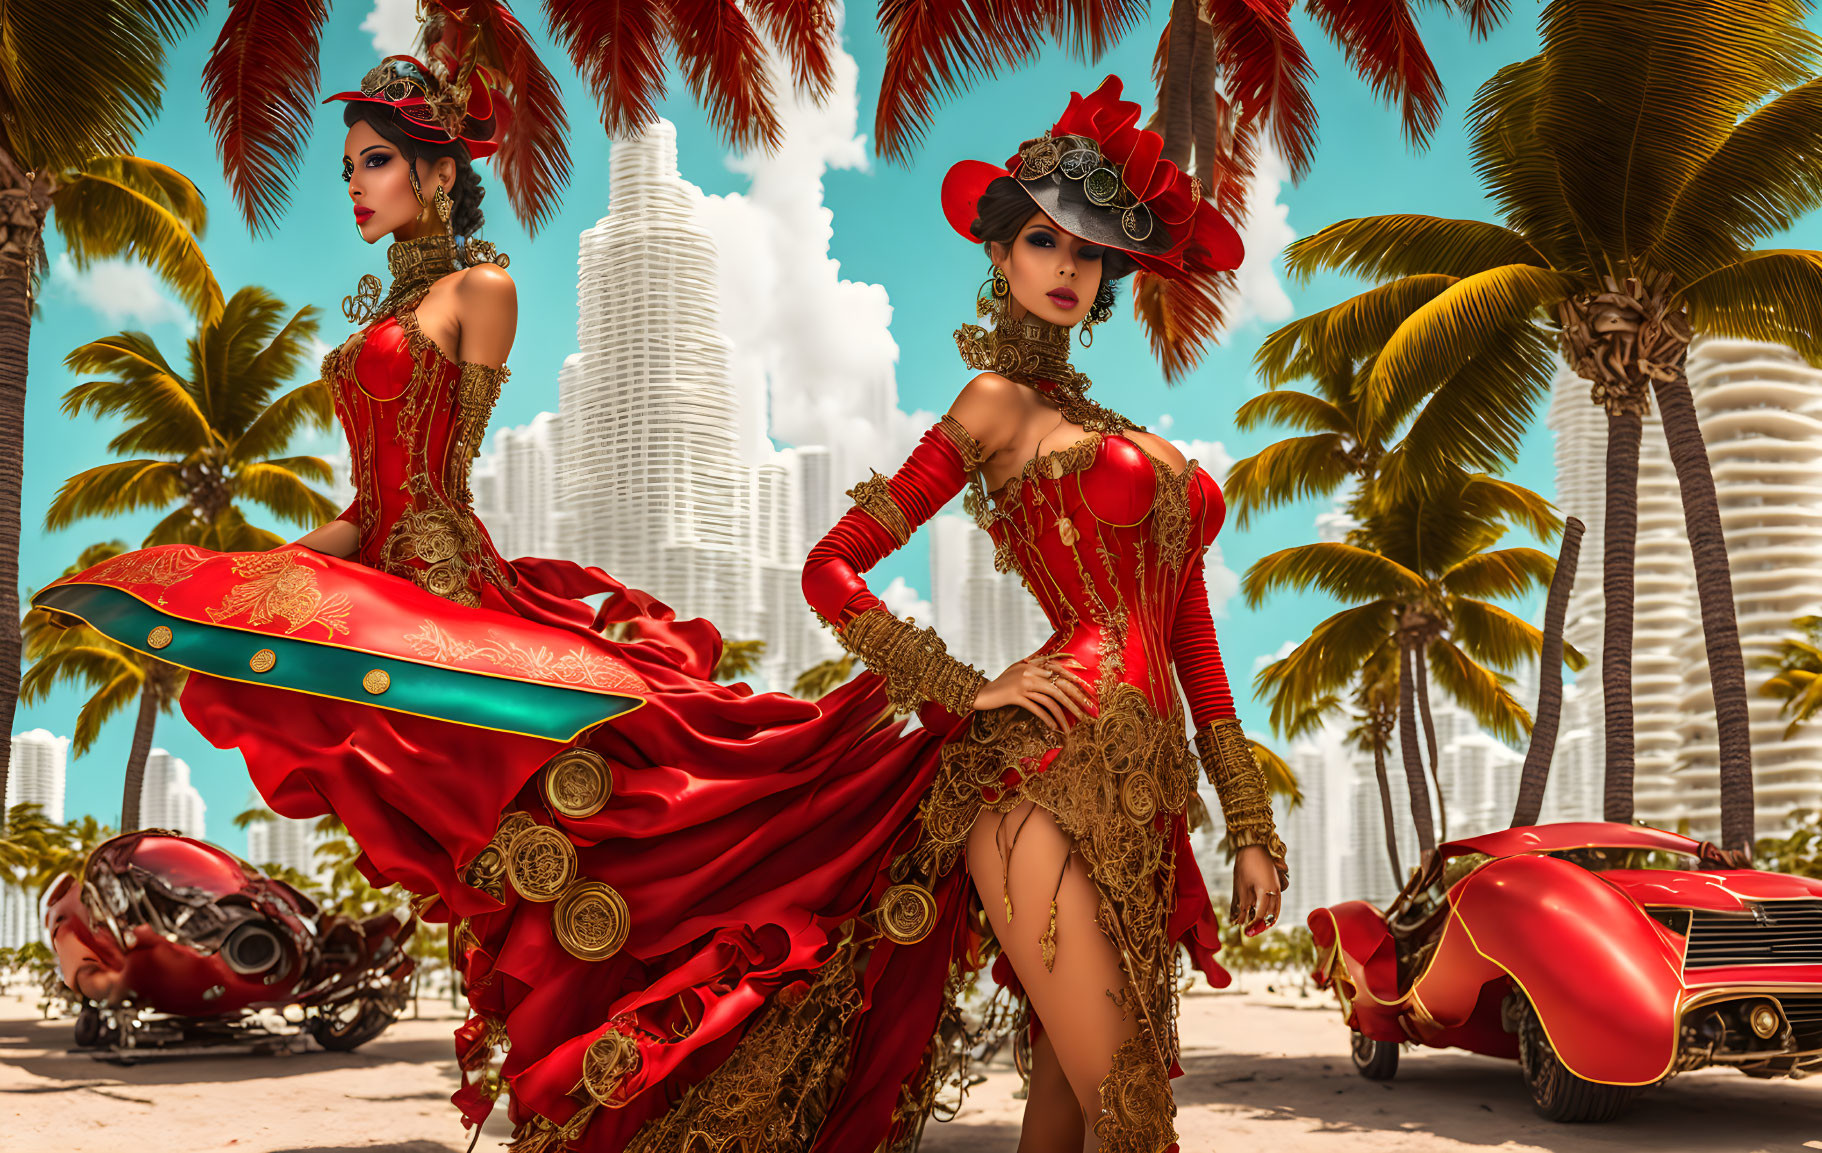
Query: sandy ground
[[1264, 1072]]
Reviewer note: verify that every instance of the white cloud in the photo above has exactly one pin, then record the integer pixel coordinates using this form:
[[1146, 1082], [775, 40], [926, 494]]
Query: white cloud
[[1284, 650], [814, 355], [122, 291], [1223, 582], [905, 601], [1267, 231], [1212, 455], [393, 24]]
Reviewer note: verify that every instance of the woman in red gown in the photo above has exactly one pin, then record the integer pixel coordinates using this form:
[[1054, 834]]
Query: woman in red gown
[[1064, 797]]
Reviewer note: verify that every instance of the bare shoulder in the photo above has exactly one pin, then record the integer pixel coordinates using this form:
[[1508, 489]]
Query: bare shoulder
[[486, 282], [1158, 447], [489, 309], [992, 409]]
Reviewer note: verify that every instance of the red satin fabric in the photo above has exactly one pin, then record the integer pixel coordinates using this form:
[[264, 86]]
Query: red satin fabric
[[744, 831]]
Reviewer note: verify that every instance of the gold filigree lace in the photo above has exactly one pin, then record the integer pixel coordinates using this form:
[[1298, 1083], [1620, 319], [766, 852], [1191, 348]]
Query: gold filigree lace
[[915, 663], [1246, 803], [873, 496], [1137, 1112], [477, 391]]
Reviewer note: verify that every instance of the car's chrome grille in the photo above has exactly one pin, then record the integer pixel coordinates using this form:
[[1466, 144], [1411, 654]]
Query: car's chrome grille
[[1780, 933], [1804, 1012]]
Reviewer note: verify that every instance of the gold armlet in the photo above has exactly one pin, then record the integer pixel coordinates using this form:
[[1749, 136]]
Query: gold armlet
[[915, 663], [873, 496], [477, 391], [964, 442], [1246, 805]]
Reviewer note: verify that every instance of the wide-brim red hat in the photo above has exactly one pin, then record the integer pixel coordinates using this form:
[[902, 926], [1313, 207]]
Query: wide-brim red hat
[[1100, 177], [427, 110]]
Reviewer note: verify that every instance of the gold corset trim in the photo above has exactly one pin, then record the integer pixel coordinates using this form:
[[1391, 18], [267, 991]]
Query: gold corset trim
[[873, 496]]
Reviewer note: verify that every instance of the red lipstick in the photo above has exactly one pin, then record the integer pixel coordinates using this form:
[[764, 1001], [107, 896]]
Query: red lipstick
[[361, 214], [1062, 297]]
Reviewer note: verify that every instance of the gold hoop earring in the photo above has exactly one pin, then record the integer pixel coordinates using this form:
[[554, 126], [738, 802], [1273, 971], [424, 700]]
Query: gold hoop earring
[[1002, 287], [1085, 334], [444, 205]]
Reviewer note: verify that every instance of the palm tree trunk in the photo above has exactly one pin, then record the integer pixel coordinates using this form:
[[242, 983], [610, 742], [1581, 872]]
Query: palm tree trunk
[[1385, 806], [1413, 755], [1720, 621], [1175, 91], [1429, 738], [1549, 681], [136, 760], [1624, 429], [21, 229]]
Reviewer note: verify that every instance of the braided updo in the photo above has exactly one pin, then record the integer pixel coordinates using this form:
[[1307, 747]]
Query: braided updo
[[465, 216]]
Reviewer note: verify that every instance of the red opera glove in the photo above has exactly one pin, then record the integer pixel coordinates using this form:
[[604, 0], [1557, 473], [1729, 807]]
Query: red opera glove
[[887, 510], [1198, 655]]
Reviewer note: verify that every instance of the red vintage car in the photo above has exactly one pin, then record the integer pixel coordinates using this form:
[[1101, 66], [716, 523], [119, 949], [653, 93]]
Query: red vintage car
[[170, 941], [1604, 957]]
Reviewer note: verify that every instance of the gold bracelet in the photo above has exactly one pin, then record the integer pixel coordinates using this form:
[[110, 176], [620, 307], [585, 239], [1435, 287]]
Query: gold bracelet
[[873, 496], [915, 663], [477, 391], [1246, 804], [964, 442]]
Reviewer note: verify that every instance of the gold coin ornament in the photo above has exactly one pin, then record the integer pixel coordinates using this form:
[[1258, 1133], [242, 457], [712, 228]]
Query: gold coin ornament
[[540, 863], [159, 637], [511, 825], [488, 866], [606, 1064], [591, 920], [1139, 797], [577, 783], [263, 660], [376, 681], [907, 913]]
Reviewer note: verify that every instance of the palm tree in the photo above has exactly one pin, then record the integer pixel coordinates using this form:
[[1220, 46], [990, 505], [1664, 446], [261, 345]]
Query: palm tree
[[738, 659], [208, 440], [823, 678], [1797, 676], [1418, 570], [80, 81], [1630, 203], [1536, 773], [64, 650]]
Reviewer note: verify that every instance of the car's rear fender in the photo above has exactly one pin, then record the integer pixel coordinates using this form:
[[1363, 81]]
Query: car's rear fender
[[1351, 939], [1594, 965]]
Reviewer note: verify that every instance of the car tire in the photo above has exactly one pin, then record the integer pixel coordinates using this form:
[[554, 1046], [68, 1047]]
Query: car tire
[[1376, 1060], [92, 1031], [1559, 1094], [340, 1034]]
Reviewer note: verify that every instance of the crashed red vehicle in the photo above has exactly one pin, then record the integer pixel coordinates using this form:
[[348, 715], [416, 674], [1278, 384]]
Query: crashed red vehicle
[[171, 941], [1604, 957]]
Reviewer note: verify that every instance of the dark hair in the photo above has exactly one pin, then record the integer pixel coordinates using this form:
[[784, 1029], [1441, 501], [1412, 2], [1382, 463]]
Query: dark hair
[[1004, 208], [465, 218]]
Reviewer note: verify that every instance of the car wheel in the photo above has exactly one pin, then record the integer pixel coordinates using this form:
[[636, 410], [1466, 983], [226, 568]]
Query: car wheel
[[1559, 1094], [92, 1031], [346, 1028], [1376, 1060]]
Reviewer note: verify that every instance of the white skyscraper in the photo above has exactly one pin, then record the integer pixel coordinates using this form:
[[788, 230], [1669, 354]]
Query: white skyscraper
[[987, 618], [168, 800], [35, 776], [649, 471], [284, 841]]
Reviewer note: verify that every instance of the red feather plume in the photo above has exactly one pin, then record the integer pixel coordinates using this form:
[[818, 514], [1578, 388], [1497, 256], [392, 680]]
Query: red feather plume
[[260, 85], [533, 161], [803, 30], [1267, 73], [724, 64], [618, 47], [1381, 41]]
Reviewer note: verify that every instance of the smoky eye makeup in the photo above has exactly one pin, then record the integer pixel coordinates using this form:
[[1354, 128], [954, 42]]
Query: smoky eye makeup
[[1042, 237]]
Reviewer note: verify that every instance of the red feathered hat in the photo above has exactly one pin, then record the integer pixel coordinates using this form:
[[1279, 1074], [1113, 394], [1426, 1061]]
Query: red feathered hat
[[428, 109], [1098, 175]]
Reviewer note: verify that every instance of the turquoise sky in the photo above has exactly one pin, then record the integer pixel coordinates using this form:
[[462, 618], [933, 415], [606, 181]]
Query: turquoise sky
[[888, 229]]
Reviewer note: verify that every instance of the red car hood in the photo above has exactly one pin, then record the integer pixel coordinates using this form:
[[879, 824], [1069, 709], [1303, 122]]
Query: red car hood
[[1725, 891]]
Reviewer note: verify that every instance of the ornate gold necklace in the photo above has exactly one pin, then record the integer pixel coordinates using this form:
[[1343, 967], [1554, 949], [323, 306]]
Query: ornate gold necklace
[[1035, 352], [415, 266]]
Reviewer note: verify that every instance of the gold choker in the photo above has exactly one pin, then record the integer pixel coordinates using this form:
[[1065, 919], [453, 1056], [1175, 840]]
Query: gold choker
[[415, 266], [1034, 352]]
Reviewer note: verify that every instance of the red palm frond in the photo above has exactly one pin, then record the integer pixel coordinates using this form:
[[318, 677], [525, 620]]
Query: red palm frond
[[724, 64], [1088, 28], [1182, 317], [618, 47], [1227, 146], [803, 31], [1380, 40], [1267, 73], [935, 48], [1484, 15], [260, 85], [532, 130]]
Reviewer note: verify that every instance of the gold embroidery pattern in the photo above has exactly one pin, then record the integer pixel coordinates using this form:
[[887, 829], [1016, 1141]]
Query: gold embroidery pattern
[[907, 913], [1246, 803], [575, 667], [915, 662], [591, 920], [477, 391], [163, 568], [774, 1089], [1170, 514], [606, 1064], [1137, 1112], [282, 586], [873, 496], [964, 442]]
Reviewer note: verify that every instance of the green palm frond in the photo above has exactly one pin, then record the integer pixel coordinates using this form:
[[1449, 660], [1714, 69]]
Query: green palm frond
[[1293, 409], [1478, 417], [1488, 498], [281, 486], [1287, 471], [160, 409], [1772, 295], [1753, 187], [1389, 247], [1325, 663], [229, 365], [114, 489], [1524, 179], [823, 678], [738, 659], [259, 815], [308, 406], [123, 205], [1345, 571], [1332, 340], [1493, 636], [1479, 690], [1509, 572], [1635, 99], [1280, 779], [1464, 321]]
